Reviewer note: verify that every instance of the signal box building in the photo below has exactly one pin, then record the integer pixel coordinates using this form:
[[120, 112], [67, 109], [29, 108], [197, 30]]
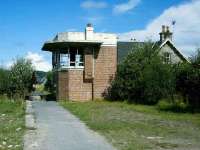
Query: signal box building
[[83, 63]]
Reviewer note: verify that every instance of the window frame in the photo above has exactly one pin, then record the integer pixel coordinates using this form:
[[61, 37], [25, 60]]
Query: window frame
[[167, 57], [67, 64]]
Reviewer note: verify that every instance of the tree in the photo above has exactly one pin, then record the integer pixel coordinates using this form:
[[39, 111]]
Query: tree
[[143, 77], [49, 85], [195, 60], [4, 81], [20, 77], [188, 81]]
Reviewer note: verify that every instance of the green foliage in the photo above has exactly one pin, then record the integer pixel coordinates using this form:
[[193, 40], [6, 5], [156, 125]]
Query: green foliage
[[142, 77], [40, 76], [49, 86], [16, 82], [176, 106], [4, 81], [128, 127], [12, 123], [196, 58], [20, 77], [188, 83]]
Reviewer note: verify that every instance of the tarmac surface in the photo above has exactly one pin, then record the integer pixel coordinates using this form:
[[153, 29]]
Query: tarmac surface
[[58, 129]]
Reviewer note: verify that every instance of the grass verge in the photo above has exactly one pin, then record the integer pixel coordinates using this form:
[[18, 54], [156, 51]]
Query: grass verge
[[138, 127], [12, 124]]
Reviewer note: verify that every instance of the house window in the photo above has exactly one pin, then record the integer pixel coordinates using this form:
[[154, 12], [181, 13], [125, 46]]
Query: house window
[[64, 60], [55, 59], [72, 59], [167, 58]]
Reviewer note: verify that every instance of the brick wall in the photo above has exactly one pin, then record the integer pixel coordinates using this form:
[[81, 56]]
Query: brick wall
[[62, 85], [77, 86], [79, 89], [72, 86], [105, 68], [88, 64]]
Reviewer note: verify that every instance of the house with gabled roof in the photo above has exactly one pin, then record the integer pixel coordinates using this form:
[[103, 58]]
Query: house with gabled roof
[[84, 63], [167, 48]]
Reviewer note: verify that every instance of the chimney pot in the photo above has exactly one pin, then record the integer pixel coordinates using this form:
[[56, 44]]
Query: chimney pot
[[89, 31], [167, 28], [163, 28], [165, 34], [89, 25]]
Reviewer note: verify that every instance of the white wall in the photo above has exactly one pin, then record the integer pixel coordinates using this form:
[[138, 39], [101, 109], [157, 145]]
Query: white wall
[[174, 57], [105, 38]]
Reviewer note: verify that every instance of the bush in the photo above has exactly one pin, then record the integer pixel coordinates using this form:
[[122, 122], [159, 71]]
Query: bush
[[4, 81], [20, 78], [49, 85], [188, 84], [142, 77], [4, 98], [176, 106], [164, 105], [16, 82]]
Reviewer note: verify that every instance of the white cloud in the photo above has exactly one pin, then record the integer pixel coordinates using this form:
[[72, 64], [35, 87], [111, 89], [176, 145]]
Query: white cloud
[[124, 7], [71, 30], [186, 31], [93, 4], [8, 64], [94, 19], [38, 61]]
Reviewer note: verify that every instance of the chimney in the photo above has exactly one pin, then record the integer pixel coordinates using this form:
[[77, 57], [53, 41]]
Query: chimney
[[89, 31], [165, 34], [163, 28]]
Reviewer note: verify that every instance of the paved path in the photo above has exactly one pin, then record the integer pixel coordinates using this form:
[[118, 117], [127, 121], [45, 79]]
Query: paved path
[[58, 129]]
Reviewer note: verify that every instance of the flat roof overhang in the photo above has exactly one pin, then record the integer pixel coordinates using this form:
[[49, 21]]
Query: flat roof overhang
[[64, 45]]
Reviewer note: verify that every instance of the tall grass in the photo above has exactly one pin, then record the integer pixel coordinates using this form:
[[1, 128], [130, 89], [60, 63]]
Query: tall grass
[[12, 123]]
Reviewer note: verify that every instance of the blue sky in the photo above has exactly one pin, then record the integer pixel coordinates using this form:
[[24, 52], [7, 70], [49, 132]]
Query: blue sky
[[26, 24]]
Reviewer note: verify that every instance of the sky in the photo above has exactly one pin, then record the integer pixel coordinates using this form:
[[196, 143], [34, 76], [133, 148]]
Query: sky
[[26, 24]]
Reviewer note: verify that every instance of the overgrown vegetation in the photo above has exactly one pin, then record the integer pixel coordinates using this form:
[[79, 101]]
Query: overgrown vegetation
[[15, 84], [130, 126], [17, 81], [143, 78], [11, 124], [50, 87], [188, 82], [4, 81]]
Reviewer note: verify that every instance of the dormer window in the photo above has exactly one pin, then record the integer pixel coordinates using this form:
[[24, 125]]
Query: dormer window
[[167, 58]]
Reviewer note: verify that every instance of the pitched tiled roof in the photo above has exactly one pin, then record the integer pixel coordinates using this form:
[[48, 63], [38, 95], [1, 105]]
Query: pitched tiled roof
[[176, 51], [123, 48]]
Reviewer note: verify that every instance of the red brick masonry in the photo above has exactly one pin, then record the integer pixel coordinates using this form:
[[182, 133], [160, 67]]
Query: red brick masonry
[[77, 84]]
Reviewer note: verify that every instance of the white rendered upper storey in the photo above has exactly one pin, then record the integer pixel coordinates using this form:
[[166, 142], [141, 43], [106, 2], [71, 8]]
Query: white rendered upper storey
[[68, 47], [89, 36]]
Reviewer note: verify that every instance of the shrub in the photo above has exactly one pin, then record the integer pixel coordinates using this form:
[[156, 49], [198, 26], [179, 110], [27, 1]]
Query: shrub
[[164, 105], [4, 81], [142, 77], [20, 77], [188, 83], [176, 106], [49, 85]]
